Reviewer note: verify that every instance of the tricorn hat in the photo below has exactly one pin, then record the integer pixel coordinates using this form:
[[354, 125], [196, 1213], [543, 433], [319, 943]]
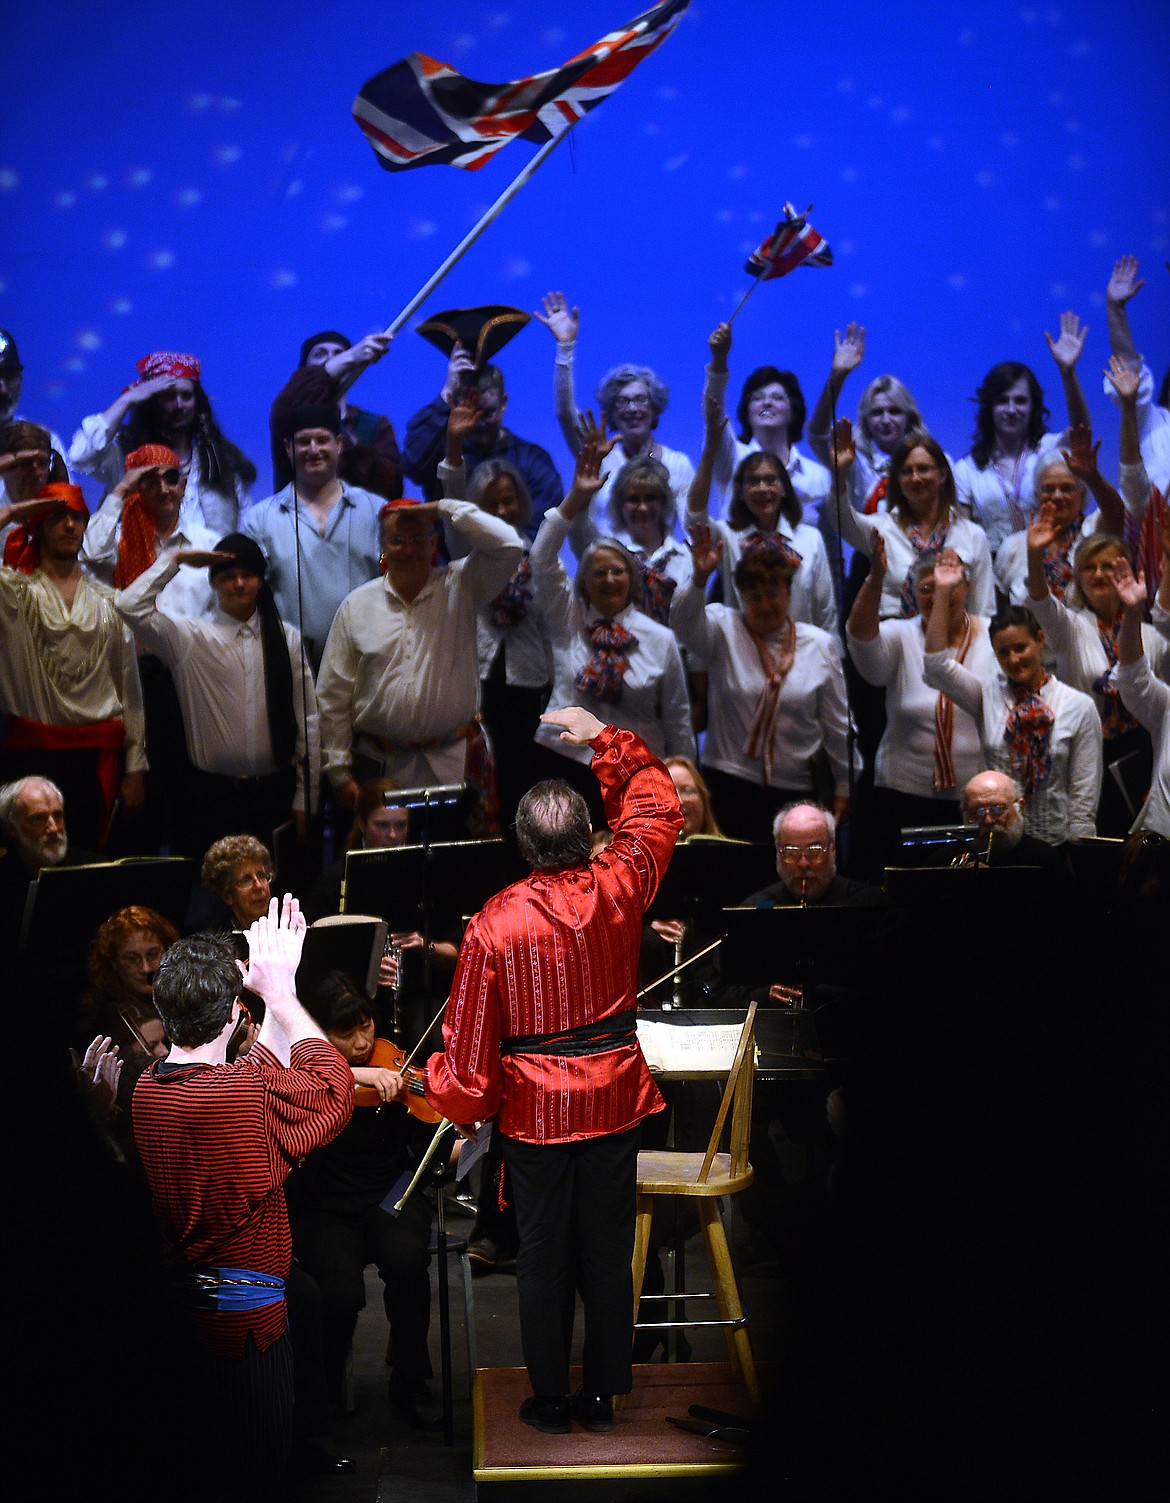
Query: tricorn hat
[[483, 332]]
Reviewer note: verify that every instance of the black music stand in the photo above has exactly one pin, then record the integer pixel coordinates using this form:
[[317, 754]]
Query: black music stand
[[435, 813], [824, 942], [983, 895], [349, 942], [704, 872], [936, 845]]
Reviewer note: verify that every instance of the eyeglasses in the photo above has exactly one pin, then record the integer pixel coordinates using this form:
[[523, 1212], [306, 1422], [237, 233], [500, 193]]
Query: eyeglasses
[[170, 476], [992, 811], [253, 879], [634, 402], [795, 852]]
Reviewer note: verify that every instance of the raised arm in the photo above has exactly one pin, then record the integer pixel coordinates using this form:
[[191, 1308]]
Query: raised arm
[[1081, 458], [1123, 284], [563, 324], [940, 671], [714, 426], [857, 531], [347, 365], [715, 390], [848, 353], [275, 942], [1066, 350], [865, 617], [688, 605]]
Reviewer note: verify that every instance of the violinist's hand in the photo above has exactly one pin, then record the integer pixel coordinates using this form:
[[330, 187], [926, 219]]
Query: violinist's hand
[[387, 1083], [787, 995], [671, 930], [469, 1130]]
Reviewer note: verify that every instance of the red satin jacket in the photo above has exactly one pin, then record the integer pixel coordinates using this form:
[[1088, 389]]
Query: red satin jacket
[[558, 951]]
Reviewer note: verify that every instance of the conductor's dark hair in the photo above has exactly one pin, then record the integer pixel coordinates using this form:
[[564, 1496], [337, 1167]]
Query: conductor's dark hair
[[194, 988], [552, 826], [337, 1005]]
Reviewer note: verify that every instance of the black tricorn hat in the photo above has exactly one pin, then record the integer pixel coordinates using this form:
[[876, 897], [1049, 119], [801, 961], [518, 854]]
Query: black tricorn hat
[[483, 332]]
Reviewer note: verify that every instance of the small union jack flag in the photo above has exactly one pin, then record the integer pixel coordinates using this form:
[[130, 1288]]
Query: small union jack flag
[[422, 111], [792, 243]]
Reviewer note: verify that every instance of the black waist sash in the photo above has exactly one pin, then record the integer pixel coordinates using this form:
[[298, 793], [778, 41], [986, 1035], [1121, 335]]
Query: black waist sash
[[589, 1038]]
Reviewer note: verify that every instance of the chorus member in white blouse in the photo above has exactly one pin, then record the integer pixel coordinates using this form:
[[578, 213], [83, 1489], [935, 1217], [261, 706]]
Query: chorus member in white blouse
[[922, 515], [887, 416], [995, 481], [399, 683], [632, 398], [515, 655], [1151, 413], [245, 690], [765, 515], [642, 517], [608, 655], [1033, 727], [770, 416], [929, 749], [1063, 480], [1146, 698], [777, 691], [1082, 631]]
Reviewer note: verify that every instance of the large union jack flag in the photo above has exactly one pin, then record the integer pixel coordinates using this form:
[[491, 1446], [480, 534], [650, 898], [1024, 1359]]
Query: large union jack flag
[[792, 243], [422, 111]]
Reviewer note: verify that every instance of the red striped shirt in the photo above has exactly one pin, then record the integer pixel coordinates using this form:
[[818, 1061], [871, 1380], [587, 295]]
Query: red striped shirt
[[217, 1143], [559, 951]]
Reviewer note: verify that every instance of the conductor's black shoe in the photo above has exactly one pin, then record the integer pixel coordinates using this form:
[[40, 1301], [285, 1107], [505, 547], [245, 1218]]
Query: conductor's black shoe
[[314, 1458], [411, 1397], [550, 1416], [594, 1411]]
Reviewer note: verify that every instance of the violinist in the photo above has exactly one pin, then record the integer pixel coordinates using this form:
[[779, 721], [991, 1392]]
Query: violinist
[[337, 1206]]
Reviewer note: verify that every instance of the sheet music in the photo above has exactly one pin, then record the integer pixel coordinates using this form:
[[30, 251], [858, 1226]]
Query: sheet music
[[670, 1047]]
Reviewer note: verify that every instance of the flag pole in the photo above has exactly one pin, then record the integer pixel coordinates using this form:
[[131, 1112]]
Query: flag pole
[[477, 230], [755, 283]]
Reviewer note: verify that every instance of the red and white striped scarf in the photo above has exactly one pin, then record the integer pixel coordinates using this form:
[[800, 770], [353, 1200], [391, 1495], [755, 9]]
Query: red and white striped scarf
[[776, 663], [944, 721]]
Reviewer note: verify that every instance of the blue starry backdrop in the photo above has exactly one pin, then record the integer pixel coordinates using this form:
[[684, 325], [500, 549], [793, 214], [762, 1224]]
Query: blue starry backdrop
[[190, 177]]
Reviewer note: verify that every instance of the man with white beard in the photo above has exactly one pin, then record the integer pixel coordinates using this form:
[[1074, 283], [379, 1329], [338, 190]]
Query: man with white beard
[[32, 836], [995, 802]]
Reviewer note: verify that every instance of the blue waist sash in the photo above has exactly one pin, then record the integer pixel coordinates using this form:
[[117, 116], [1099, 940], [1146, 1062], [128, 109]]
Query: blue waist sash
[[233, 1289]]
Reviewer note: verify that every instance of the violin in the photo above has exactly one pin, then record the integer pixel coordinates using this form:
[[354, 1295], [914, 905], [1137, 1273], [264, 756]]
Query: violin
[[388, 1056]]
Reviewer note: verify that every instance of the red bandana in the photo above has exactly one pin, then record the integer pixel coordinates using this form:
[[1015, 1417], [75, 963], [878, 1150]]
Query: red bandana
[[22, 547]]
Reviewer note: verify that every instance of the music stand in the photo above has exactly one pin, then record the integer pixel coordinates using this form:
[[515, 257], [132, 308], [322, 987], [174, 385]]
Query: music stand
[[67, 904], [824, 942], [984, 894], [435, 813], [349, 942], [704, 872], [936, 845]]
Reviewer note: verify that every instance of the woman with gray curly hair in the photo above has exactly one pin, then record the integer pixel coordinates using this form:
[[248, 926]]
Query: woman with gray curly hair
[[631, 398], [238, 871]]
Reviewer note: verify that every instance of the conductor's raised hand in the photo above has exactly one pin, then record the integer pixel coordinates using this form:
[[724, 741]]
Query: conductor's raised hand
[[275, 942], [578, 727]]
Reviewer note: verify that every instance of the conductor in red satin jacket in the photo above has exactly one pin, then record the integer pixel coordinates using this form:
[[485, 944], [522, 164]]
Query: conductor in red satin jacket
[[540, 1034]]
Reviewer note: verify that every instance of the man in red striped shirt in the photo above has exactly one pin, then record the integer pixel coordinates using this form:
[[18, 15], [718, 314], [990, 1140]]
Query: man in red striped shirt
[[217, 1141], [540, 1034]]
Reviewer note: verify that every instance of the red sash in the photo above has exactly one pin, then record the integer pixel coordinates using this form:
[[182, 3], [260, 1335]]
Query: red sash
[[103, 736]]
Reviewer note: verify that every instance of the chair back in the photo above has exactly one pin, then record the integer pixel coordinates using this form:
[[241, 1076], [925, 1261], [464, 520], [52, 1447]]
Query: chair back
[[736, 1101]]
